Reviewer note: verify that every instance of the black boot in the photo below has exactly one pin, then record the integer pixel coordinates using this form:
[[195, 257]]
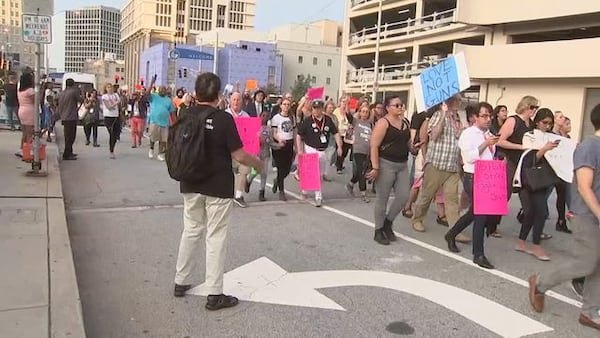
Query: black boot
[[261, 196], [387, 230], [380, 237], [561, 226], [451, 242]]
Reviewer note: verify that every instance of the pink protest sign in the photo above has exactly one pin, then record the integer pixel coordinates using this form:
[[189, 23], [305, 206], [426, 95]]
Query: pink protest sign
[[489, 188], [310, 174], [249, 130], [315, 93]]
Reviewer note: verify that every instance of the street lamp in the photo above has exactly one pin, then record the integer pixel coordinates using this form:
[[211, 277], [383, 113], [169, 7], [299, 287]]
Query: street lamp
[[376, 61]]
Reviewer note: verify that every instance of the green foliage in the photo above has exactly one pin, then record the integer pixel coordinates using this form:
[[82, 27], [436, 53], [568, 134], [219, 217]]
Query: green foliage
[[300, 86]]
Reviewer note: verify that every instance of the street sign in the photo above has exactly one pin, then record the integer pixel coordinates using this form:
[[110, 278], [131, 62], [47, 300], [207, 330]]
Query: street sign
[[37, 28]]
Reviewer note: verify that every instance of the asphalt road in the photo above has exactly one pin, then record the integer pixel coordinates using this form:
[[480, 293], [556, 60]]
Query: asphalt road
[[125, 221]]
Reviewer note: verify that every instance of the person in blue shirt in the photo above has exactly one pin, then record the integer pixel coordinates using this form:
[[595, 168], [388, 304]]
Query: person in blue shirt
[[161, 108]]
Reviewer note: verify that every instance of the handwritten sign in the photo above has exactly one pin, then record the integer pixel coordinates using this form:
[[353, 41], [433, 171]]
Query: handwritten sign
[[249, 131], [559, 158], [489, 188], [440, 82], [251, 84], [310, 173], [315, 93]]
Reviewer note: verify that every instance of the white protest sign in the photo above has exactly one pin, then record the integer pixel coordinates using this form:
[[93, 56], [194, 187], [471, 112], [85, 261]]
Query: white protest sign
[[440, 82], [559, 158]]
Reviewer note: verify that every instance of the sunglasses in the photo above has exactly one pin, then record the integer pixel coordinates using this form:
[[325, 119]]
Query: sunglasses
[[397, 105], [532, 107]]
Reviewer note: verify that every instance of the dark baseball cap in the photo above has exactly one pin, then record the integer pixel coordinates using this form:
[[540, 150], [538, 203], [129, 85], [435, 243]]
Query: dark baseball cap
[[318, 104]]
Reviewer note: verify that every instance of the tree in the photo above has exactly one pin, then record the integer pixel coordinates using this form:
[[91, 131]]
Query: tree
[[271, 88], [301, 86]]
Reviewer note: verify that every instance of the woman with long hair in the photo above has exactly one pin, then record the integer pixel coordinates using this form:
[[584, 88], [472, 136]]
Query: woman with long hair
[[92, 116], [283, 135], [26, 95], [534, 203], [112, 121]]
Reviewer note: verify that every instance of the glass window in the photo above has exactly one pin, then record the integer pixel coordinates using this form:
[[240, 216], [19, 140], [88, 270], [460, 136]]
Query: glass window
[[328, 81], [315, 61], [329, 62], [300, 59], [313, 80]]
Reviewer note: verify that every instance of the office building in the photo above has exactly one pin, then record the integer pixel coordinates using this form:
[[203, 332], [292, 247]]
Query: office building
[[12, 47], [107, 70], [306, 49], [90, 32], [237, 62], [147, 22], [513, 48]]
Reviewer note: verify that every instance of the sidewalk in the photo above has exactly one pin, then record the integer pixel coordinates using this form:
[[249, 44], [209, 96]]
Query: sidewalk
[[39, 296]]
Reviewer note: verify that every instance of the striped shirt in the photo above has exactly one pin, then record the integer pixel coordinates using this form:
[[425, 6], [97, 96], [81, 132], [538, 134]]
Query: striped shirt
[[443, 153]]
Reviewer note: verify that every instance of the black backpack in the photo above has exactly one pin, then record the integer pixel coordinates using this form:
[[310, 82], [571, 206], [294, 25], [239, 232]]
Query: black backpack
[[187, 157]]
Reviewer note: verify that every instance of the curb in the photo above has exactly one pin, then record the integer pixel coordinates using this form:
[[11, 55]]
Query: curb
[[65, 311]]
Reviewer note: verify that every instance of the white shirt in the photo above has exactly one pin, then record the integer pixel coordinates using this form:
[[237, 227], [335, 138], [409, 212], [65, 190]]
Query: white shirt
[[240, 114], [258, 108], [285, 127], [469, 142], [112, 100]]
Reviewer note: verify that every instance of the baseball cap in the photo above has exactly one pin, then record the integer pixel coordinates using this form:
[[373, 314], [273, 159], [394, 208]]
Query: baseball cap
[[318, 104]]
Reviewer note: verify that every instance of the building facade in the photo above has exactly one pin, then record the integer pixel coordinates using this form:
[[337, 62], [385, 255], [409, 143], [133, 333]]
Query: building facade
[[237, 62], [308, 49], [513, 48], [90, 32], [107, 70], [147, 22], [12, 47]]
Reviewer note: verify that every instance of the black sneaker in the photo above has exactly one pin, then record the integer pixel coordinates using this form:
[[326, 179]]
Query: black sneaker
[[240, 202], [577, 285], [218, 302], [180, 290], [388, 231]]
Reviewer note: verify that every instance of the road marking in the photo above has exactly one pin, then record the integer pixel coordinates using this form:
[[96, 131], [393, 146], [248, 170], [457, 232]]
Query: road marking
[[448, 254], [266, 282]]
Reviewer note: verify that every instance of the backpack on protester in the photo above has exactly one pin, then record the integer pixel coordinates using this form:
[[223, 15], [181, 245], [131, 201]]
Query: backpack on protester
[[187, 156]]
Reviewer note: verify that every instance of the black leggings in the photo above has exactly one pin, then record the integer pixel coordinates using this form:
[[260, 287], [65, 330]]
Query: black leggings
[[561, 199], [534, 211], [113, 125], [359, 163], [91, 129], [283, 161], [346, 147]]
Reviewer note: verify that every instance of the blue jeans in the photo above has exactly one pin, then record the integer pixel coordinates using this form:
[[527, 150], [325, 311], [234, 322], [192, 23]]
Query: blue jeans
[[468, 218], [12, 111]]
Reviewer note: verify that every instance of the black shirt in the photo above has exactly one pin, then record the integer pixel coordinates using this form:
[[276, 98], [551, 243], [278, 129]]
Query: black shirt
[[417, 121], [311, 130], [221, 139], [394, 146], [520, 129], [11, 95]]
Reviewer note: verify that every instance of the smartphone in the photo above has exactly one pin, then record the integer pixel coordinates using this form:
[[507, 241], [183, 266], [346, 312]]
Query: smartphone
[[557, 141]]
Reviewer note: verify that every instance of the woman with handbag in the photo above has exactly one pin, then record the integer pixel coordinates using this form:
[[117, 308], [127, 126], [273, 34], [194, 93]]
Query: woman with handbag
[[537, 176], [92, 115]]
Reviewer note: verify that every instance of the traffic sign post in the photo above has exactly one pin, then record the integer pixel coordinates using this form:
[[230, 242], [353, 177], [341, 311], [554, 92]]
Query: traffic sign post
[[37, 29]]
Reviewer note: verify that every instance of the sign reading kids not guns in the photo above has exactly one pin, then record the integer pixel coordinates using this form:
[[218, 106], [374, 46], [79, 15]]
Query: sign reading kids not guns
[[440, 82]]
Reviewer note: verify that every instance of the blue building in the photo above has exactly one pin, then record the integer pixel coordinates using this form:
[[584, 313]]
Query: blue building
[[190, 61], [245, 60], [237, 62]]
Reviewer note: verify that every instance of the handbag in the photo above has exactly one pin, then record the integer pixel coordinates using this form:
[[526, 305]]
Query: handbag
[[82, 111], [540, 176]]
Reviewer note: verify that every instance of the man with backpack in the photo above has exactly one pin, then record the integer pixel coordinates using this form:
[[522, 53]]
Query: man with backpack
[[199, 155]]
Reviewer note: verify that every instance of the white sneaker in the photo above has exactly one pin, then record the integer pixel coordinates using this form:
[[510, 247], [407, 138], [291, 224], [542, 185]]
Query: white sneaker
[[161, 157], [151, 153]]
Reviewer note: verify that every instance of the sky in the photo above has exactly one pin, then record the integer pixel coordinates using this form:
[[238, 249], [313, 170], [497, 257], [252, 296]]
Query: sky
[[269, 14]]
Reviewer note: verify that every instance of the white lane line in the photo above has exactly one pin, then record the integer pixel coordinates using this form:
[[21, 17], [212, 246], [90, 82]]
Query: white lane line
[[124, 209], [448, 254]]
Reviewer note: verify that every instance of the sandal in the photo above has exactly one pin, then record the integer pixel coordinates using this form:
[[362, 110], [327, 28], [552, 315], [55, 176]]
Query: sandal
[[442, 221], [407, 213]]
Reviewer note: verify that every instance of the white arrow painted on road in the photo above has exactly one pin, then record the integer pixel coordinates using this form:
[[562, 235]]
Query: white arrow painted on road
[[264, 281]]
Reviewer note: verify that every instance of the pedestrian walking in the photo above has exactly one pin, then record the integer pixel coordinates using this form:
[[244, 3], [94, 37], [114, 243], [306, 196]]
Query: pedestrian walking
[[112, 120], [283, 133], [91, 118], [69, 103]]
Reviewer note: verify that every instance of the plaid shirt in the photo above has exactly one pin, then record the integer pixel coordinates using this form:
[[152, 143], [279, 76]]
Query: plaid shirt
[[443, 153]]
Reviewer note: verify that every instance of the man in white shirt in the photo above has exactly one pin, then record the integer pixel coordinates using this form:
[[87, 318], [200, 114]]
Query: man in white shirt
[[475, 143], [235, 109]]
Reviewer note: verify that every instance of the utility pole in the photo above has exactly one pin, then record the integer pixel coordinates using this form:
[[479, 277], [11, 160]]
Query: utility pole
[[376, 63]]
